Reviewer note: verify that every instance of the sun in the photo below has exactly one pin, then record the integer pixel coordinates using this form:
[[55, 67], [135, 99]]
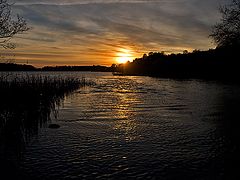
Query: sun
[[123, 56]]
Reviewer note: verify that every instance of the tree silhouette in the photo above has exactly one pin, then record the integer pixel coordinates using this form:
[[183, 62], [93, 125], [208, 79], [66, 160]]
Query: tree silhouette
[[9, 26], [227, 31]]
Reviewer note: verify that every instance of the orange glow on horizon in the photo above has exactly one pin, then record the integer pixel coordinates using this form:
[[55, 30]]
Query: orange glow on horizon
[[124, 55]]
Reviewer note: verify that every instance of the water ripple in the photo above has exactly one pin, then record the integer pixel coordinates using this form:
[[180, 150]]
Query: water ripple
[[137, 128]]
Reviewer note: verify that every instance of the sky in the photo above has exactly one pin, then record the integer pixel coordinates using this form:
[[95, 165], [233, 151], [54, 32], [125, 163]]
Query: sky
[[103, 32]]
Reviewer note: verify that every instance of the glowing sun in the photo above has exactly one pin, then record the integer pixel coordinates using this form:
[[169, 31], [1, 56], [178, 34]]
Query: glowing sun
[[123, 56]]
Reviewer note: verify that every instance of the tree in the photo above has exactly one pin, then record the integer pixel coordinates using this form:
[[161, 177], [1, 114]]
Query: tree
[[227, 31], [9, 26]]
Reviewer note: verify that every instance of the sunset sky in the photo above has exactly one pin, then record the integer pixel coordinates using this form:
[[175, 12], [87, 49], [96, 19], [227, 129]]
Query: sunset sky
[[102, 32]]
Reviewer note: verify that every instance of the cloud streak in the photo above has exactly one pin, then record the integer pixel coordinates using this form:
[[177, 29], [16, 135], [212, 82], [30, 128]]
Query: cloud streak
[[93, 31]]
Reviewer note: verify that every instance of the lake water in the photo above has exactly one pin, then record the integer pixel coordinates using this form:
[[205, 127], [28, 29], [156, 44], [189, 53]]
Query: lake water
[[139, 128]]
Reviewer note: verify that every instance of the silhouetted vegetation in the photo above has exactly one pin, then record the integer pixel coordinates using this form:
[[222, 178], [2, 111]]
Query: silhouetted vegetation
[[36, 93], [26, 67], [26, 104], [227, 31], [9, 26], [16, 67], [78, 68], [220, 63]]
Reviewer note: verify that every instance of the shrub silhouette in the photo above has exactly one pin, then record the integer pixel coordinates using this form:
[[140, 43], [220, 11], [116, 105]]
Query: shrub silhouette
[[9, 26], [227, 31]]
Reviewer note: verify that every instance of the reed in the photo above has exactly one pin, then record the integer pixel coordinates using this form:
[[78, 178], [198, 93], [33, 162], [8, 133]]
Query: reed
[[39, 85], [26, 103]]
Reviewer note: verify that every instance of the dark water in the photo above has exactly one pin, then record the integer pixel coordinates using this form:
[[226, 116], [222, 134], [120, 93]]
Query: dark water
[[139, 127]]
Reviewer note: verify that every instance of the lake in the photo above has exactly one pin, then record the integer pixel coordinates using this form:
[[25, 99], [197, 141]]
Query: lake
[[129, 127]]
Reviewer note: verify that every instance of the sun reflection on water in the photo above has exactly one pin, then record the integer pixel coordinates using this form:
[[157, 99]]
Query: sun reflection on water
[[126, 126]]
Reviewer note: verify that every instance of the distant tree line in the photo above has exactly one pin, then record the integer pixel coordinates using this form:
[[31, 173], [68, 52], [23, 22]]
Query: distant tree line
[[26, 67], [78, 68], [16, 67], [220, 63]]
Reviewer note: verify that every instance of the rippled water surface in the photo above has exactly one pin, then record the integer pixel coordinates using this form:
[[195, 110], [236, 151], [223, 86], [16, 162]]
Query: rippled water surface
[[139, 127]]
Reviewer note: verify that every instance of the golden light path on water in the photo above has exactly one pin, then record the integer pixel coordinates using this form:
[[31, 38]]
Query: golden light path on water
[[127, 125], [135, 127]]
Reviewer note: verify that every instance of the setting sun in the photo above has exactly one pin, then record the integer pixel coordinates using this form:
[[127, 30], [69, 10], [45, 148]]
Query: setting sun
[[123, 56]]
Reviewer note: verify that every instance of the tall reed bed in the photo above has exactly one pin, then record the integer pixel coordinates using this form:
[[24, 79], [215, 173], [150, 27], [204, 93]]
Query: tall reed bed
[[24, 92], [26, 103], [39, 85]]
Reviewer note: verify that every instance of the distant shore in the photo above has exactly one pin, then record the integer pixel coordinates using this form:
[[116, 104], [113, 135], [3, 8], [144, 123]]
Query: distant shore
[[27, 67], [213, 64]]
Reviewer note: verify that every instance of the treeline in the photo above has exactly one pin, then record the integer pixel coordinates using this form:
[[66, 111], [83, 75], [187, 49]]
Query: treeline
[[78, 68], [219, 63], [16, 67], [24, 67]]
